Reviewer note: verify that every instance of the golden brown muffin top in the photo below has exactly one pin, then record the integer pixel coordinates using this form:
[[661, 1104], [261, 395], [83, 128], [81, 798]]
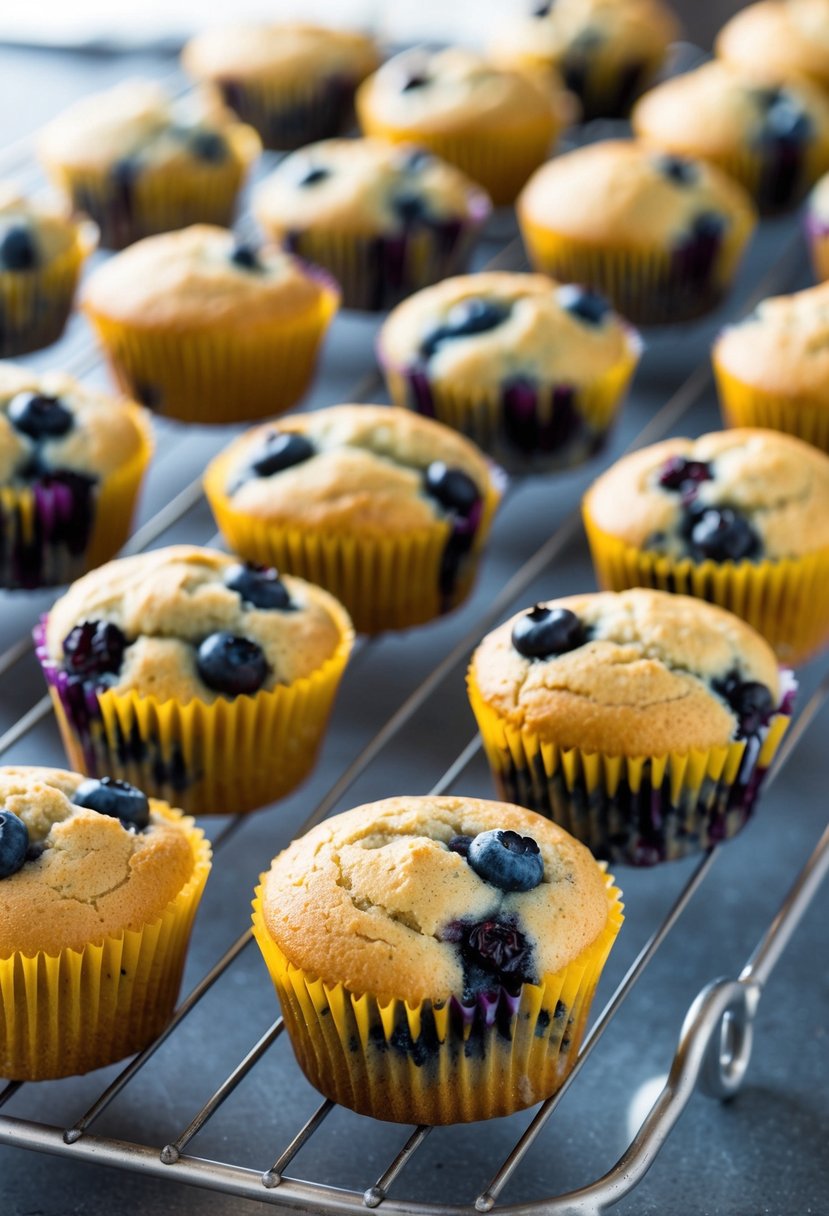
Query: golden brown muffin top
[[285, 52], [778, 485], [89, 877], [363, 469], [167, 602], [613, 32], [642, 683], [376, 900], [782, 347], [621, 192], [787, 37], [190, 280], [138, 120], [101, 433], [538, 332], [363, 186]]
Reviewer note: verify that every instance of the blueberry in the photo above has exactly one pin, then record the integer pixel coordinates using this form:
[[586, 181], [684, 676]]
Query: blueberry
[[118, 799], [230, 664], [785, 120], [208, 146], [260, 586], [246, 256], [18, 249], [678, 169], [544, 632], [543, 10], [708, 226], [14, 843], [722, 534], [39, 416], [414, 80], [281, 450], [460, 845], [416, 160], [411, 208], [750, 700], [587, 305], [451, 487], [94, 648], [507, 860], [498, 947], [124, 172], [473, 316], [678, 473], [312, 175]]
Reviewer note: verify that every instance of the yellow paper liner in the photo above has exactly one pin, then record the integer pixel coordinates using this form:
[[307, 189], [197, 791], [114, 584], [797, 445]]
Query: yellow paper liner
[[634, 810], [801, 414], [228, 757], [67, 1013], [425, 1063], [35, 304], [214, 376], [787, 601], [386, 581], [642, 284]]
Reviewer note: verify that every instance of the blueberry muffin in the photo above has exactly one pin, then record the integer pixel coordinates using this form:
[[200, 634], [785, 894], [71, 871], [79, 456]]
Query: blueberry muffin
[[98, 889], [293, 83], [772, 368], [817, 228], [383, 219], [140, 163], [789, 38], [193, 676], [495, 124], [740, 518], [642, 722], [435, 958], [605, 51], [71, 465], [41, 255], [530, 370], [660, 235], [203, 328], [771, 137], [387, 510]]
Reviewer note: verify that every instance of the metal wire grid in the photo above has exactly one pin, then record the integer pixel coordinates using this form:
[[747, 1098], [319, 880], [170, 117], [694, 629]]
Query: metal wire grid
[[715, 1041]]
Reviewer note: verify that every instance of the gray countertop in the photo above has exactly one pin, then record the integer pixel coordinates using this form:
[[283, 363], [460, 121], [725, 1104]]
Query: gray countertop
[[765, 1152]]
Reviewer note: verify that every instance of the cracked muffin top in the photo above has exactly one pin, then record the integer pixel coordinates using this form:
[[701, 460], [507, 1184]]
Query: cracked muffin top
[[186, 623], [788, 37], [782, 346], [82, 859], [363, 186], [486, 328], [33, 234], [50, 425], [636, 673], [729, 496], [285, 52], [430, 897]]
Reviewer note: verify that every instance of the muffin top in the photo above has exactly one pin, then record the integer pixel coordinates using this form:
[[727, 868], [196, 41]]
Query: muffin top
[[50, 424], [782, 346], [186, 623], [365, 186], [625, 192], [82, 859], [282, 52], [569, 31], [787, 37], [202, 277], [436, 92], [415, 898], [729, 496], [635, 673], [136, 123], [33, 234], [372, 468], [719, 108], [486, 328]]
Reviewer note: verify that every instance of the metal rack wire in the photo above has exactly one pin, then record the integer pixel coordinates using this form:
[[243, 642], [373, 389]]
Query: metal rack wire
[[715, 1041]]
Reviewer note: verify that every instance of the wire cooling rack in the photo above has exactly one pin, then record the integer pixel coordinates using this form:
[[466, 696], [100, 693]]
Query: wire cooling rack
[[401, 723]]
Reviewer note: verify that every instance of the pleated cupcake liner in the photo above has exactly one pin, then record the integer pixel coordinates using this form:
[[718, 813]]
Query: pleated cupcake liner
[[224, 757], [35, 304], [526, 428], [159, 199], [608, 89], [66, 1013], [438, 1062], [802, 414], [632, 810], [385, 581], [57, 528], [787, 601], [817, 236], [288, 114], [214, 376], [647, 286]]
